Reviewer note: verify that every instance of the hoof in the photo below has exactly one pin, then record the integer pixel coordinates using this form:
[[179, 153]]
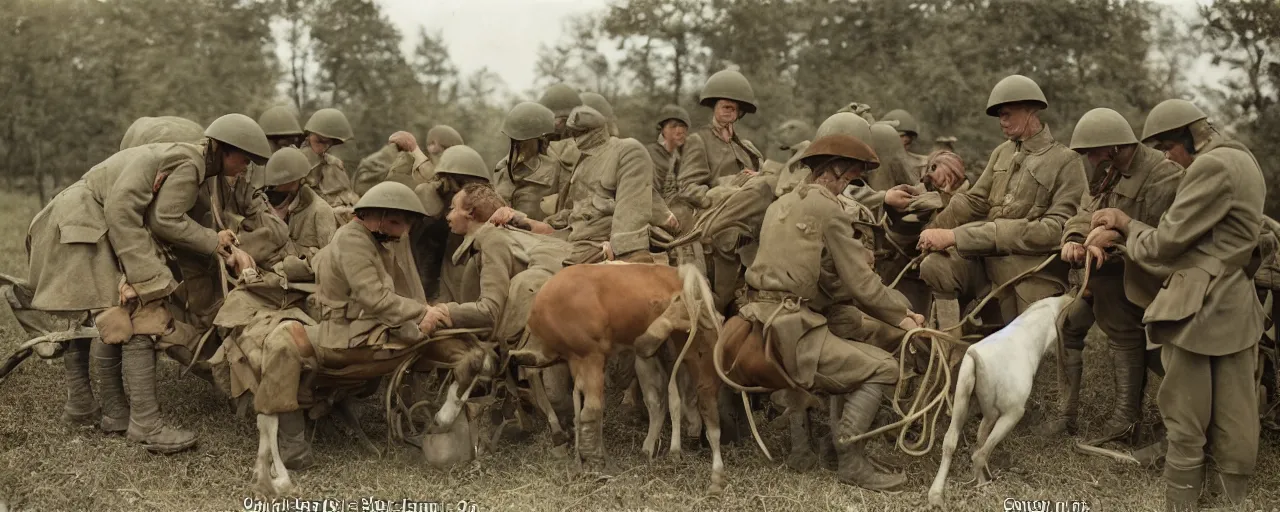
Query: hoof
[[715, 490], [560, 451], [935, 499], [676, 454], [802, 461]]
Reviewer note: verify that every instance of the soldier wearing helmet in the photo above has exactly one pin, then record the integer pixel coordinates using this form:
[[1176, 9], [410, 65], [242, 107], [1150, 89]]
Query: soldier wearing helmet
[[528, 173], [280, 123], [1141, 182], [1206, 316], [609, 203], [908, 131], [804, 230], [715, 154], [435, 248], [561, 100], [123, 214], [673, 127], [1012, 217], [310, 219], [328, 128]]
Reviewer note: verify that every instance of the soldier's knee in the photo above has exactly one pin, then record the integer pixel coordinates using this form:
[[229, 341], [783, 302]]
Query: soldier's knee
[[936, 272]]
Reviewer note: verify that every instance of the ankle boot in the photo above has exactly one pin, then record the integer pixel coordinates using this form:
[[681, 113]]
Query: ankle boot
[[1069, 398], [855, 469], [145, 424], [1182, 488], [109, 380], [294, 446], [801, 458], [1226, 489], [1131, 377], [80, 409]]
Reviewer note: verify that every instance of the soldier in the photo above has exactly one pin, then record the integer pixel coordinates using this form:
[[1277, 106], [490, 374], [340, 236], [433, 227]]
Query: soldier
[[121, 215], [433, 244], [673, 127], [528, 174], [1206, 316], [282, 128], [609, 200], [908, 131], [807, 235], [310, 220], [1013, 215], [414, 167], [328, 128], [1141, 182], [601, 104], [561, 100], [715, 154], [150, 130]]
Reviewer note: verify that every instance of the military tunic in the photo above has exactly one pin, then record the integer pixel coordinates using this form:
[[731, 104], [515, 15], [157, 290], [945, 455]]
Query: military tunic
[[363, 292], [525, 186], [1207, 316], [1009, 222], [809, 257], [707, 160], [329, 178], [610, 198]]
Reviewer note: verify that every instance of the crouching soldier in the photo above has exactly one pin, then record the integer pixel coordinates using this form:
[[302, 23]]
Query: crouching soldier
[[124, 214], [808, 257]]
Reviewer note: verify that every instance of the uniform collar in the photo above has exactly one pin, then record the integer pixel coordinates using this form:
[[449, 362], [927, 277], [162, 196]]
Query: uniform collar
[[590, 142], [467, 241], [1038, 143]]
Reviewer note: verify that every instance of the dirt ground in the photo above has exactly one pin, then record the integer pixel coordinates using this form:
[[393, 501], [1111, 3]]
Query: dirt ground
[[48, 466]]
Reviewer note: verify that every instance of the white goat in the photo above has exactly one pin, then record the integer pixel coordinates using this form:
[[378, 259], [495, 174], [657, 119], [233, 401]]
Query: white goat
[[999, 370]]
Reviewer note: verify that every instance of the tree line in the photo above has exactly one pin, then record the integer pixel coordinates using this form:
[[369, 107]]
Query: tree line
[[77, 72]]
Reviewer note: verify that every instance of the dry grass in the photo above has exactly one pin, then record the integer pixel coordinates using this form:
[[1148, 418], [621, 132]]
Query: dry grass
[[45, 465]]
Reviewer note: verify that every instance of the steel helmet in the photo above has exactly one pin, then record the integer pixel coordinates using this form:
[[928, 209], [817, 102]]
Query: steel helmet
[[287, 165], [906, 123], [793, 132], [330, 123], [847, 123], [444, 135], [391, 195], [560, 98], [279, 121], [463, 161], [1014, 89], [843, 146], [529, 120], [676, 112], [242, 132], [1170, 115], [598, 102], [886, 142], [1102, 127], [728, 84]]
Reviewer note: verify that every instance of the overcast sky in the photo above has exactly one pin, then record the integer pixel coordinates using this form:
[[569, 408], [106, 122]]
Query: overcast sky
[[505, 34]]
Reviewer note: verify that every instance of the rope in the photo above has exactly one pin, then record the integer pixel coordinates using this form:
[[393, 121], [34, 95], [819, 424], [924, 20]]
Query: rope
[[395, 430]]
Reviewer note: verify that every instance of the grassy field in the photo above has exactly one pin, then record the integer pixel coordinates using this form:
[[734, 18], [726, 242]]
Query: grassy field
[[48, 466]]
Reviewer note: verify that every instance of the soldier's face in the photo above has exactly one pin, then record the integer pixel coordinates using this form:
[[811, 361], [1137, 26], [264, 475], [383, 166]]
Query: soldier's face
[[458, 217], [321, 145], [285, 141], [675, 132], [1014, 120], [726, 111], [434, 148], [392, 224], [906, 139], [234, 163], [1175, 151]]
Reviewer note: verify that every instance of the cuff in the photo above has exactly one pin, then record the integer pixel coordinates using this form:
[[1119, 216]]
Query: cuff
[[630, 241]]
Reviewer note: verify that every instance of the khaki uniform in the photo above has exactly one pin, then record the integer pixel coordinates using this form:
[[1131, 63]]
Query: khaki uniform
[[363, 292], [311, 225], [610, 198], [502, 254], [1207, 316], [375, 168], [117, 214], [917, 165], [808, 256], [525, 186], [1122, 289], [1009, 222], [707, 160], [328, 178]]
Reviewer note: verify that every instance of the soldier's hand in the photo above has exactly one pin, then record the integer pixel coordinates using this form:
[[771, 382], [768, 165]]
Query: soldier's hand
[[912, 321], [898, 198], [404, 141], [227, 240], [1099, 257], [239, 261], [1102, 238], [750, 172], [936, 239], [503, 216], [1073, 252], [673, 223], [127, 293], [1110, 218], [608, 251]]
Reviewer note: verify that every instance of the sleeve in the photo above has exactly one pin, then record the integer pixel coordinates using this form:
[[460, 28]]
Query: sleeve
[[125, 209], [325, 225], [660, 209], [634, 196], [496, 267], [1201, 202], [693, 179], [1028, 236], [864, 285], [168, 217], [377, 300], [970, 206], [1077, 228]]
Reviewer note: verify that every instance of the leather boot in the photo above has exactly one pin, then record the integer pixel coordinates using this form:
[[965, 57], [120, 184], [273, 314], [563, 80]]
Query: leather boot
[[294, 447], [80, 409], [1068, 399], [109, 381], [145, 425], [1131, 378], [1182, 488], [1226, 489], [801, 458], [855, 469]]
